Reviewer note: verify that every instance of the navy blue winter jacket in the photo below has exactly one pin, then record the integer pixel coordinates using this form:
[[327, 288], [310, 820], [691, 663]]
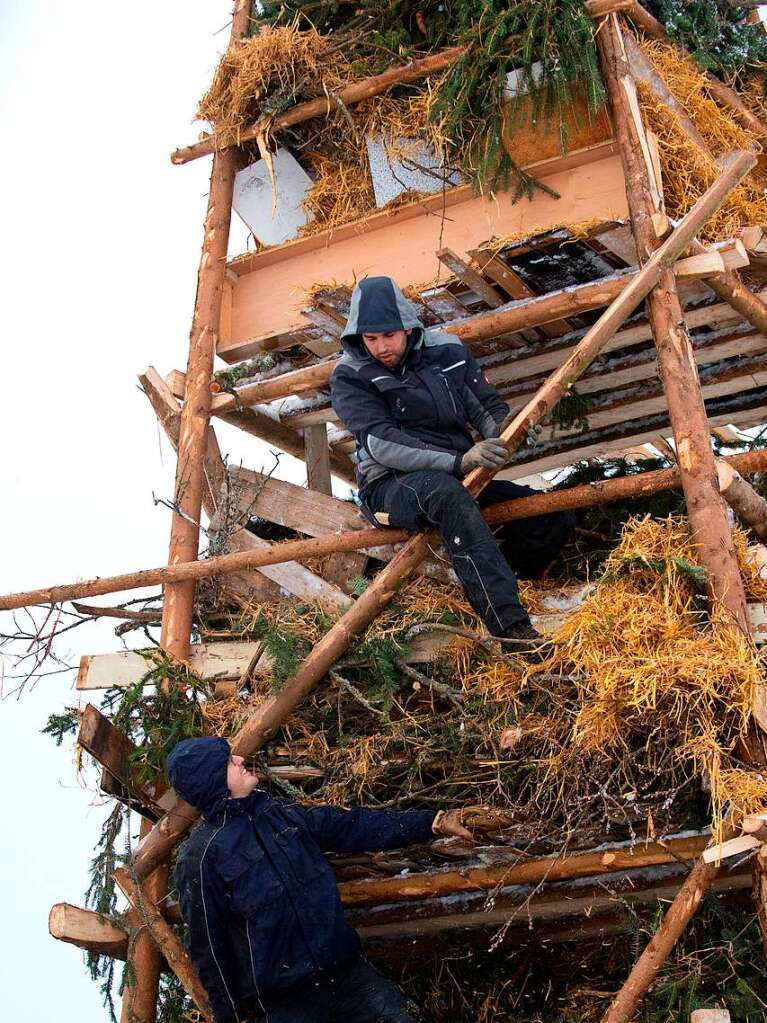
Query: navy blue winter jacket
[[416, 415], [258, 898]]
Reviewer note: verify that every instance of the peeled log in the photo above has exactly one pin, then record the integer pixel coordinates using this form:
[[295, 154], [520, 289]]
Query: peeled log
[[747, 504], [88, 930], [585, 496], [554, 868]]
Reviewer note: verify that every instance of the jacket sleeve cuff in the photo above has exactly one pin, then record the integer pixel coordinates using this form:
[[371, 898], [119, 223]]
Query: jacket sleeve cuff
[[457, 465]]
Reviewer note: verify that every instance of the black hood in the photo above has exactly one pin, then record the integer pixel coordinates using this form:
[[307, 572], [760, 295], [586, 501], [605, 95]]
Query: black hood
[[377, 305], [197, 771]]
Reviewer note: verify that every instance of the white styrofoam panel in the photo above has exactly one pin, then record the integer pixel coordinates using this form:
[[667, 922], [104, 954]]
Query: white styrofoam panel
[[273, 223], [392, 175], [514, 84]]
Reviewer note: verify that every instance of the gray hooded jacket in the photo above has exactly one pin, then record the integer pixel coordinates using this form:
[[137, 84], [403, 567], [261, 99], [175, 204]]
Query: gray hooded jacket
[[416, 415]]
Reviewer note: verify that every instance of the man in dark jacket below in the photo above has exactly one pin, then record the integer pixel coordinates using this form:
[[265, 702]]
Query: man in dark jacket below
[[409, 396], [264, 923]]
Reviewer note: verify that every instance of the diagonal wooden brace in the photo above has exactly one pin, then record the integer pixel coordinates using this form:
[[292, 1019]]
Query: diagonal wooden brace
[[167, 942]]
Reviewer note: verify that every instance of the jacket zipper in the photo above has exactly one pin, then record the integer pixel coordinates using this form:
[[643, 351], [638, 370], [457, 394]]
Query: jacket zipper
[[450, 393]]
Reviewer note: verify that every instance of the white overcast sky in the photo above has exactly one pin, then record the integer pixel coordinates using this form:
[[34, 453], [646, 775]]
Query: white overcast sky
[[100, 243]]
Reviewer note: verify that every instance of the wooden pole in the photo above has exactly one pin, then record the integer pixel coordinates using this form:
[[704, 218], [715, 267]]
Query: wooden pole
[[276, 554], [178, 603], [731, 289], [317, 459], [706, 510], [142, 977], [140, 998], [325, 105], [265, 721], [162, 936], [588, 495], [511, 870], [113, 750], [708, 519], [649, 964], [86, 929]]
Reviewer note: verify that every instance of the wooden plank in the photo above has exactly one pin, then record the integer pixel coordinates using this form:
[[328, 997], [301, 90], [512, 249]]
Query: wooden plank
[[601, 378], [167, 410], [285, 438], [268, 295], [206, 660], [310, 513], [176, 381], [607, 446], [291, 577], [473, 329], [317, 455], [496, 267], [529, 362], [733, 847], [329, 325], [620, 372], [474, 281], [112, 749], [444, 304], [705, 264], [219, 661], [286, 504]]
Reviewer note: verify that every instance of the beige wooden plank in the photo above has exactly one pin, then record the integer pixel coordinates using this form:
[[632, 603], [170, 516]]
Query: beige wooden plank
[[607, 448], [473, 280], [293, 578], [317, 457], [519, 369], [268, 295], [497, 269], [295, 507], [124, 668]]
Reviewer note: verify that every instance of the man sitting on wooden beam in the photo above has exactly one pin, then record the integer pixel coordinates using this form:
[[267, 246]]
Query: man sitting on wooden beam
[[265, 927], [412, 397]]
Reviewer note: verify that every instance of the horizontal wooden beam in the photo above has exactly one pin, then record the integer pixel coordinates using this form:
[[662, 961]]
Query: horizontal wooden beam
[[509, 318], [353, 540], [607, 376], [212, 661], [104, 671]]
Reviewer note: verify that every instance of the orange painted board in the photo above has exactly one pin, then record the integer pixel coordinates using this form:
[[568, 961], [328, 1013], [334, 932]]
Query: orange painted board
[[268, 288]]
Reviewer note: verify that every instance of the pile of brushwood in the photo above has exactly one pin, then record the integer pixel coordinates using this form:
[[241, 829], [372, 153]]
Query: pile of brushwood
[[632, 728], [304, 49]]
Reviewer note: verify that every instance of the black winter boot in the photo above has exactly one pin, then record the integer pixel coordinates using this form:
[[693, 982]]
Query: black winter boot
[[521, 639]]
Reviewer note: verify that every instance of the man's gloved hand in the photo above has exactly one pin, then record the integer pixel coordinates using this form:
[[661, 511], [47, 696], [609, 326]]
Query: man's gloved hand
[[498, 428], [489, 454], [448, 822]]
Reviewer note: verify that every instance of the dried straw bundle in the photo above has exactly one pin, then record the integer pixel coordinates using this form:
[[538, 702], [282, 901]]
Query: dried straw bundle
[[643, 658], [268, 72], [342, 192], [687, 170]]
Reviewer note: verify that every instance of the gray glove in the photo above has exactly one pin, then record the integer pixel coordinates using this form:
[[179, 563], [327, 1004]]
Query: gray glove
[[498, 428], [489, 454]]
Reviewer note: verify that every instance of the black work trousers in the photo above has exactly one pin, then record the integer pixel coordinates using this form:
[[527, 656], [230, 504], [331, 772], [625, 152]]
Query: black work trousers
[[485, 562], [357, 993]]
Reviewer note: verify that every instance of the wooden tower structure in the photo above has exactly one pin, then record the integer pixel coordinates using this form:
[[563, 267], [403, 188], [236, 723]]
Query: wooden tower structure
[[538, 323]]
